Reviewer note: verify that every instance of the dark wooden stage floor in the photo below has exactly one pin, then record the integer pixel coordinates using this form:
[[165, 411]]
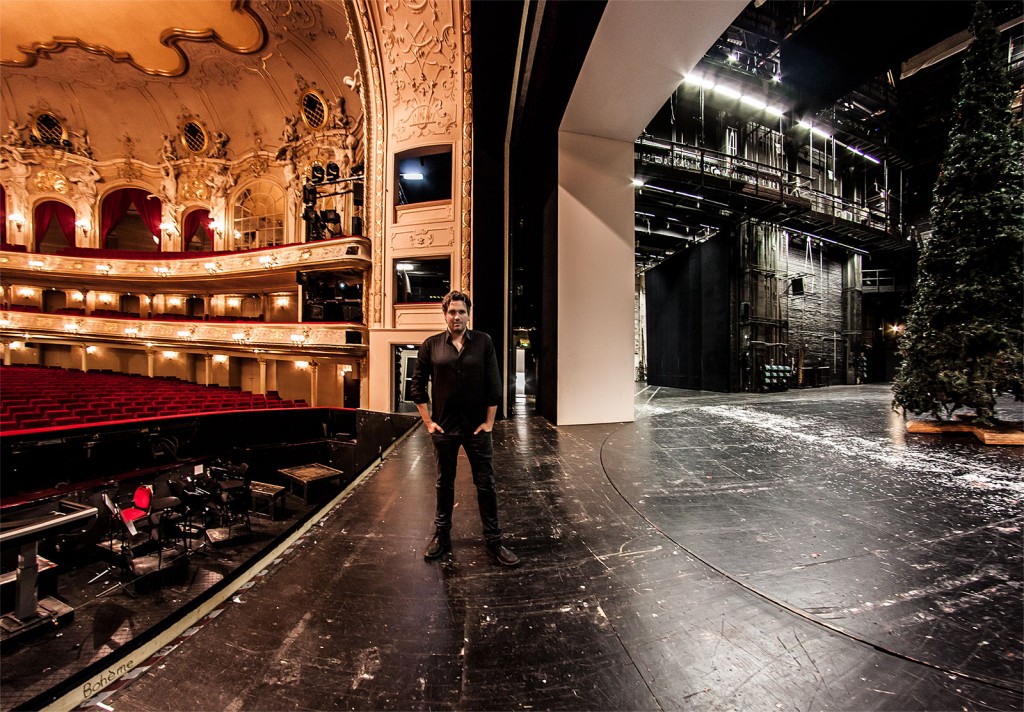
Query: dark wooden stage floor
[[724, 552]]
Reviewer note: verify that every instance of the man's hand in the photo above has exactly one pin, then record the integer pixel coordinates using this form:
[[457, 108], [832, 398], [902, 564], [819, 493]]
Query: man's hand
[[433, 427], [488, 425]]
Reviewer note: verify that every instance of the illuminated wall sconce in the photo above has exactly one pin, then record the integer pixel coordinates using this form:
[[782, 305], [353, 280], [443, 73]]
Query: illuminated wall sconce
[[216, 226], [346, 368], [17, 346], [220, 358], [174, 301], [76, 296], [169, 228], [240, 337], [4, 323], [103, 268], [84, 225], [184, 334], [162, 271], [234, 302], [106, 298], [282, 302], [26, 292], [298, 338], [268, 261], [170, 354], [91, 349], [18, 220], [212, 267], [132, 331], [36, 264], [71, 327], [302, 365]]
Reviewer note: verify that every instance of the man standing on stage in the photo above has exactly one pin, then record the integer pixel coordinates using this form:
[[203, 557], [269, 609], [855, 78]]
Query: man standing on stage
[[466, 392]]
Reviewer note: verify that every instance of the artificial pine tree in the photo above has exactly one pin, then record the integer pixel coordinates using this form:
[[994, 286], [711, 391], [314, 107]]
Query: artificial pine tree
[[962, 342]]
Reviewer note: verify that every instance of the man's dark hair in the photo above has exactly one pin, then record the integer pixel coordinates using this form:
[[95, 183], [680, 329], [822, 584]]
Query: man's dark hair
[[456, 296]]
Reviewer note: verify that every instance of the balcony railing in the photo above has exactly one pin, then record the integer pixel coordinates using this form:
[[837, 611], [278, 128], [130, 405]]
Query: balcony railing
[[340, 338], [758, 179], [289, 257]]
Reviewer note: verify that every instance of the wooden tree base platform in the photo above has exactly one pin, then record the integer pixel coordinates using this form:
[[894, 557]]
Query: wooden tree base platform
[[1001, 434]]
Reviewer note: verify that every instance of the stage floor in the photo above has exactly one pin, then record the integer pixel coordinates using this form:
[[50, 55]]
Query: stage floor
[[792, 550]]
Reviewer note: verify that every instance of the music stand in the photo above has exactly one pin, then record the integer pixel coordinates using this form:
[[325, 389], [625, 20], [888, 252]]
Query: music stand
[[115, 514]]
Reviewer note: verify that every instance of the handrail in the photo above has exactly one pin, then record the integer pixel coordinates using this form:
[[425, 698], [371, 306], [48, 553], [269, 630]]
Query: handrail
[[762, 178]]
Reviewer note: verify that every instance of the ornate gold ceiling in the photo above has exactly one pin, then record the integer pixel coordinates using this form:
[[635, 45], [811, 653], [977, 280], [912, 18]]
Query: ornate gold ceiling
[[127, 73], [148, 35]]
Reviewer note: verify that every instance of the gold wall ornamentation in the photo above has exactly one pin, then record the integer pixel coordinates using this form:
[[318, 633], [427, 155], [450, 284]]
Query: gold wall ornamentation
[[422, 238], [422, 59], [371, 96], [50, 181], [193, 189], [467, 152]]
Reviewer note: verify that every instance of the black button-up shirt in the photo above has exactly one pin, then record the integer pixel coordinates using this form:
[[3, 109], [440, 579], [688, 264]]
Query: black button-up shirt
[[466, 382]]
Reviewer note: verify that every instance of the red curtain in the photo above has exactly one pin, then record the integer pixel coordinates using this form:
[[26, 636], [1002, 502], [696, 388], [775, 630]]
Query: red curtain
[[149, 211], [65, 215], [195, 219], [3, 215], [114, 207]]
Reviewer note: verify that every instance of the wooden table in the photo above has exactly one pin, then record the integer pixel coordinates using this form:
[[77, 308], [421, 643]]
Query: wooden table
[[306, 475], [272, 496]]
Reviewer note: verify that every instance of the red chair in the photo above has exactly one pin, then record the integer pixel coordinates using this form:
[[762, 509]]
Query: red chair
[[139, 511]]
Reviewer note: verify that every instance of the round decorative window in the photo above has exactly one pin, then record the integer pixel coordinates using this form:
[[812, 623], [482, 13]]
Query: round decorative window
[[194, 138], [48, 129], [314, 110]]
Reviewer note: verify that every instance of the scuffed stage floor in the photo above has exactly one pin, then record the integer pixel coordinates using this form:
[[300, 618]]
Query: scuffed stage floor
[[752, 552]]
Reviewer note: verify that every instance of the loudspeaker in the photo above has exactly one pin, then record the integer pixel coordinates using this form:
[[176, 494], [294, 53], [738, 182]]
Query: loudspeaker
[[745, 311], [798, 286], [357, 226]]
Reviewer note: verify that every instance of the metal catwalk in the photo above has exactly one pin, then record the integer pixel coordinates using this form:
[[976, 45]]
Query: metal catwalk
[[752, 552]]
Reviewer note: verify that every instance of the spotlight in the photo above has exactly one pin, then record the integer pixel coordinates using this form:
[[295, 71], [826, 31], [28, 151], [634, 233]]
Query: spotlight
[[317, 173], [333, 172], [309, 195]]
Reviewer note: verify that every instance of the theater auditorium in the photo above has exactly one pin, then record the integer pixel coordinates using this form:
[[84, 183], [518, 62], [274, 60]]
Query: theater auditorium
[[691, 229]]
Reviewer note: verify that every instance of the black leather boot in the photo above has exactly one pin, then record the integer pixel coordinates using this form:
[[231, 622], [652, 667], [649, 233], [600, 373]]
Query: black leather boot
[[439, 545], [503, 555]]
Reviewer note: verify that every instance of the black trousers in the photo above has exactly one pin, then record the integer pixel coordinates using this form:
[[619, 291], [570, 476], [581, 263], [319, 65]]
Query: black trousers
[[480, 452]]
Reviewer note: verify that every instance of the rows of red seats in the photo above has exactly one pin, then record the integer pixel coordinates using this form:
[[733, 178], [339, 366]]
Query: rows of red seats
[[42, 397]]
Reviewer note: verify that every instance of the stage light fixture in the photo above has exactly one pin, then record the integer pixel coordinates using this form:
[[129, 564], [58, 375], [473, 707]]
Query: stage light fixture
[[333, 172], [316, 173]]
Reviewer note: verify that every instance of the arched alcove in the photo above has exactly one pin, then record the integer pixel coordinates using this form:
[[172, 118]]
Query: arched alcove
[[196, 235], [258, 216], [130, 220], [54, 224]]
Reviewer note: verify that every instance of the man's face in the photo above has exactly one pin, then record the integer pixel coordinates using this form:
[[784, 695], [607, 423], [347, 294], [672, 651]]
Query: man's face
[[457, 317]]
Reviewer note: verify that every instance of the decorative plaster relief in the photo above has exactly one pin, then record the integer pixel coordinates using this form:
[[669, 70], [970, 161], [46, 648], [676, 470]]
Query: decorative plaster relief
[[424, 237], [422, 57]]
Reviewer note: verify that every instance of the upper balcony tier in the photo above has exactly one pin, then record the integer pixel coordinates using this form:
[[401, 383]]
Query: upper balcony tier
[[268, 269]]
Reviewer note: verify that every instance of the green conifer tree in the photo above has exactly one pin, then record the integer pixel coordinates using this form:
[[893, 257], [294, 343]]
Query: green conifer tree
[[962, 341]]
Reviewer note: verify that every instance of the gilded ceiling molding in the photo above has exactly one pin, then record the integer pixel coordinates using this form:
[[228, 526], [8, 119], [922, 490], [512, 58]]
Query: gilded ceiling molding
[[370, 94], [171, 38]]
